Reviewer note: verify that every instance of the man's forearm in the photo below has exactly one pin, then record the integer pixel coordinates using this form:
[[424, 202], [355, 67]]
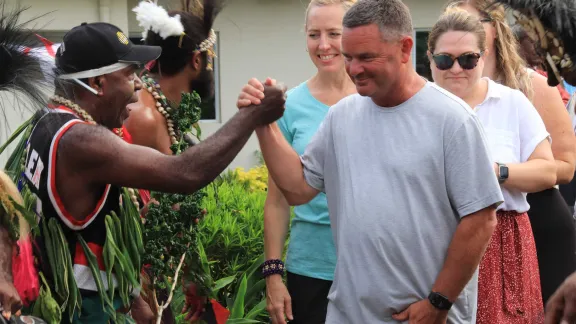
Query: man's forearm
[[5, 255], [283, 163], [206, 160], [465, 252]]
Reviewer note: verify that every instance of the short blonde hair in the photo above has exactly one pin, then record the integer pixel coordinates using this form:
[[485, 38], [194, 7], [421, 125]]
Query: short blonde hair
[[346, 4]]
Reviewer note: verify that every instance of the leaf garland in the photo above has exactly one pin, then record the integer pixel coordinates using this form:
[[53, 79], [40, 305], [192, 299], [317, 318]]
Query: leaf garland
[[169, 230]]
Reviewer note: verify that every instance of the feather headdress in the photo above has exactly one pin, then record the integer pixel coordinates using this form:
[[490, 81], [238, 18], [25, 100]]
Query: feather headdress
[[21, 71], [152, 17], [552, 25]]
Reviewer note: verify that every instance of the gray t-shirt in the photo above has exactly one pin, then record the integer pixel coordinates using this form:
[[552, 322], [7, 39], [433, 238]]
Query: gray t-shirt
[[398, 180]]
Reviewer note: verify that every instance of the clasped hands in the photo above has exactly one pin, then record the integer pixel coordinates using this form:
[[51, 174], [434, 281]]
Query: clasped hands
[[270, 97]]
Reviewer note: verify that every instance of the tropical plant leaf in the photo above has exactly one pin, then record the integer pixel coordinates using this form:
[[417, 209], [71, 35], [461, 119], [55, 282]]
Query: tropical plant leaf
[[242, 321], [255, 292], [238, 307], [16, 133], [219, 284], [257, 310]]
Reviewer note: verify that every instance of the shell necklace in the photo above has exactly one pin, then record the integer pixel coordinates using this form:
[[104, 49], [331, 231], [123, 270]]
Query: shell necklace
[[161, 104]]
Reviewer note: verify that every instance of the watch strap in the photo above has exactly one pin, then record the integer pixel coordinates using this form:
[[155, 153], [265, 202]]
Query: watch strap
[[439, 301]]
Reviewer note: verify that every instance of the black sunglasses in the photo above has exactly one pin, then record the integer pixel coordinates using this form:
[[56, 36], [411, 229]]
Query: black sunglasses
[[466, 61]]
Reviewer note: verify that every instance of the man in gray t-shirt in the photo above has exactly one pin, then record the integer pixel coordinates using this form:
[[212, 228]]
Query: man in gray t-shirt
[[411, 190], [398, 181]]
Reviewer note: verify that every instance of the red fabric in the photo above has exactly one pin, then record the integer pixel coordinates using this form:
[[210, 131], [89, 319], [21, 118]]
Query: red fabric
[[24, 272], [80, 257], [509, 280], [126, 135], [220, 312], [48, 44], [563, 93], [150, 65]]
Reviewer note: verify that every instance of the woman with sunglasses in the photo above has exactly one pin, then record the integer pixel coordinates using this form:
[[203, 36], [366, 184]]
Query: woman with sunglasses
[[550, 217], [508, 283]]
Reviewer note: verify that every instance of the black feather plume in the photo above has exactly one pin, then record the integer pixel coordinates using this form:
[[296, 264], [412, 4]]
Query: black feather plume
[[211, 10], [558, 17], [20, 72]]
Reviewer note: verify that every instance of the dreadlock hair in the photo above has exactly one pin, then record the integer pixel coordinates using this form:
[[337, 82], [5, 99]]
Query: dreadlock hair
[[553, 22], [197, 20], [519, 32], [524, 40], [20, 71], [509, 63]]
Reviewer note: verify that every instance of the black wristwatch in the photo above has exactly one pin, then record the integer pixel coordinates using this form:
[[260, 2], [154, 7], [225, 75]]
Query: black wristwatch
[[439, 301], [502, 172]]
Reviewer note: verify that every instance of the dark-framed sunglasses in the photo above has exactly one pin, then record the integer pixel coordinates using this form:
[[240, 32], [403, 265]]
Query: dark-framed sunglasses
[[467, 61]]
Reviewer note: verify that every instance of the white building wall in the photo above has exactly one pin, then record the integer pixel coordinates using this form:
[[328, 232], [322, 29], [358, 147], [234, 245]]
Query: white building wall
[[65, 14]]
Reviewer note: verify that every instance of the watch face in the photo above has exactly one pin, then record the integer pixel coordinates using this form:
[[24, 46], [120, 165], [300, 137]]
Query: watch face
[[504, 172]]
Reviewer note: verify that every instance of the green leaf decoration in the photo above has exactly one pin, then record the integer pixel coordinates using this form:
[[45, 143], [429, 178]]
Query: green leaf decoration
[[238, 307]]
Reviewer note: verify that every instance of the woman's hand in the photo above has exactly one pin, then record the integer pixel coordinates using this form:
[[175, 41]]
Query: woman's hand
[[278, 301], [253, 92]]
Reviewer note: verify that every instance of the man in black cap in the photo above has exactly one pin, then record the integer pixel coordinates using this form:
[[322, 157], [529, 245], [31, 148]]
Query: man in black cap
[[76, 166]]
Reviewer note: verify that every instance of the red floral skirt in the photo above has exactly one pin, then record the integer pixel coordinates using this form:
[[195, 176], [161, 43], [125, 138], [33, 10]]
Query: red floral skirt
[[509, 280]]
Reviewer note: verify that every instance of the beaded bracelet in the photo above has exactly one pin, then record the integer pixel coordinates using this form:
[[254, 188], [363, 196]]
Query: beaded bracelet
[[271, 267]]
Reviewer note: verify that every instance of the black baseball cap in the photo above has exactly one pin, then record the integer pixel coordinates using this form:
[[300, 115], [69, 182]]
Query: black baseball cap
[[95, 49]]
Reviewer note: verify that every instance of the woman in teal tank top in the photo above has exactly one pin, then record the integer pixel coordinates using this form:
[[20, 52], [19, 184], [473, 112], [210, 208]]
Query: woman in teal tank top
[[311, 255]]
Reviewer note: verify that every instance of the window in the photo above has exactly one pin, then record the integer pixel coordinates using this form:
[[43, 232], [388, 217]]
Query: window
[[421, 62], [210, 108]]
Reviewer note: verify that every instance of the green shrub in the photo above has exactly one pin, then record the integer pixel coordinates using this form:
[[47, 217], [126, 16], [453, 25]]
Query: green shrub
[[232, 239], [232, 231]]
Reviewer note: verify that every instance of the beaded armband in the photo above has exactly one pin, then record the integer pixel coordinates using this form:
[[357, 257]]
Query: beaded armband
[[271, 267]]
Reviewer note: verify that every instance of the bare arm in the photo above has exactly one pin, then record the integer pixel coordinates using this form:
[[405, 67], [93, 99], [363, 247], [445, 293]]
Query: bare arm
[[550, 106], [284, 165], [106, 159], [465, 252], [534, 175], [276, 222]]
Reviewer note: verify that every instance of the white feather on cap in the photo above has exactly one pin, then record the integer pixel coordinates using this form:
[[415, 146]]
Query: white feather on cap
[[150, 16]]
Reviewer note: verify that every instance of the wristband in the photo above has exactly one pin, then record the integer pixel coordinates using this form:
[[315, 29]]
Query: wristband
[[271, 267]]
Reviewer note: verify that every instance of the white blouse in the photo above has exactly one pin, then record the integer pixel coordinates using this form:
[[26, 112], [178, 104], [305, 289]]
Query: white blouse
[[513, 129]]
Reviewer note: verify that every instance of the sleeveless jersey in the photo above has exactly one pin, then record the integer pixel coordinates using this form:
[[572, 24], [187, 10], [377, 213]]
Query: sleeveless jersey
[[40, 176]]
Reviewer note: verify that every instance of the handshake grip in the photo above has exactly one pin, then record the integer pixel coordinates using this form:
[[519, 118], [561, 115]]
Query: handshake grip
[[271, 107]]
